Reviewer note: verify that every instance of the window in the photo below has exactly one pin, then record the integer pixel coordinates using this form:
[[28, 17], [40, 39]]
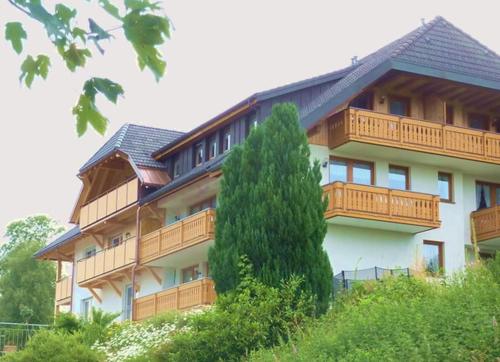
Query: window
[[206, 204], [445, 186], [399, 106], [450, 113], [433, 256], [128, 297], [251, 123], [399, 177], [496, 124], [86, 308], [198, 154], [364, 101], [226, 139], [487, 195], [190, 273], [212, 147], [90, 251], [177, 166], [345, 170], [115, 241], [479, 121]]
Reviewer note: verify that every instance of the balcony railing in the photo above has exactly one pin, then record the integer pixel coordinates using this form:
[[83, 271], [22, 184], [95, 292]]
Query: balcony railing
[[196, 293], [487, 223], [177, 236], [413, 134], [106, 261], [109, 203], [63, 289], [382, 204]]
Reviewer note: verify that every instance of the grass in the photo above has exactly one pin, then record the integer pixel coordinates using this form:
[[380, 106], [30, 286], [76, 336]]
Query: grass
[[406, 320]]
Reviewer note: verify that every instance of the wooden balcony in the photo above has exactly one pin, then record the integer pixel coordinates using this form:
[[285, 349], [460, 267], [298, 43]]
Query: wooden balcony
[[185, 296], [180, 235], [487, 225], [110, 203], [366, 126], [382, 208], [64, 287], [106, 262]]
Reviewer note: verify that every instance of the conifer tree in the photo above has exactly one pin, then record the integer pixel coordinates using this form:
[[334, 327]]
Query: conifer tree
[[271, 209]]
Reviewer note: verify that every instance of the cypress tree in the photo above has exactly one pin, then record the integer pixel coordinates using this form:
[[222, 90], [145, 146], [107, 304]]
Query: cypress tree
[[270, 208]]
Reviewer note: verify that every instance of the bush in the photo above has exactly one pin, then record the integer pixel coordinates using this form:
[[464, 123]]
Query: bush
[[406, 320], [251, 317], [53, 346], [67, 322]]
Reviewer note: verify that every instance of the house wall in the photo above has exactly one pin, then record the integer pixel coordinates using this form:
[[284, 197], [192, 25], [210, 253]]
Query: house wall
[[356, 247]]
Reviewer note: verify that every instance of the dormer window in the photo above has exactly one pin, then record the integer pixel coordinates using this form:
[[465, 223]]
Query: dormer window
[[198, 154], [177, 167], [226, 140], [212, 148]]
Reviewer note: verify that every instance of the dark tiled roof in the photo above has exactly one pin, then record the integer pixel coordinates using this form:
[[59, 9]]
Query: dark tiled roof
[[59, 241], [209, 166], [138, 142], [438, 46]]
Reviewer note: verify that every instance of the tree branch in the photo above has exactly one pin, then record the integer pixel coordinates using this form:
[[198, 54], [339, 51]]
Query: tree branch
[[14, 4]]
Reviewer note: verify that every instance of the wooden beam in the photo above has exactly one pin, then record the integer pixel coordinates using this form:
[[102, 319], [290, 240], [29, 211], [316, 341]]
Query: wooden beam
[[99, 241], [156, 214], [94, 294], [488, 100], [115, 288], [473, 100], [156, 276]]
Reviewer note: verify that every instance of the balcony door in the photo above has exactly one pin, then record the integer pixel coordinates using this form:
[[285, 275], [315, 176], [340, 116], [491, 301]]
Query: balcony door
[[355, 171], [487, 195]]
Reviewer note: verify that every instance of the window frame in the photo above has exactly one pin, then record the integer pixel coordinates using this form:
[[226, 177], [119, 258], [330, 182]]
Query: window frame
[[176, 164], [126, 308], [440, 246], [450, 187], [194, 268], [493, 191], [406, 169], [112, 238], [407, 100], [198, 147], [350, 167], [487, 119], [212, 146], [369, 97], [86, 301], [226, 132]]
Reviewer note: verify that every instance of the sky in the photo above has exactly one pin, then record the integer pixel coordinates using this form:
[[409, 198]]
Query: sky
[[220, 52]]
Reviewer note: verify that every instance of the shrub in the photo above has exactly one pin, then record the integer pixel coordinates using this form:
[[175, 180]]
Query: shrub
[[253, 316], [67, 322], [406, 320], [54, 346]]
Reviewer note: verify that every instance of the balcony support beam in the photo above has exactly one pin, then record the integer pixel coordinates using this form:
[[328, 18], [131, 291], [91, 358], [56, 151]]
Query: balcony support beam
[[154, 274], [98, 240], [115, 288], [95, 295]]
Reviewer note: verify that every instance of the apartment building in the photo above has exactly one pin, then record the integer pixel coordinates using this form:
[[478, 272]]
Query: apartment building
[[408, 139]]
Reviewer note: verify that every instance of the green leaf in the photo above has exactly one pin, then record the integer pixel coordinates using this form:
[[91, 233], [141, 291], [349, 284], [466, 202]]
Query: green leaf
[[79, 33], [64, 14], [146, 32], [28, 69], [43, 64], [108, 88], [31, 68], [15, 33], [75, 57], [86, 112], [141, 5], [110, 8]]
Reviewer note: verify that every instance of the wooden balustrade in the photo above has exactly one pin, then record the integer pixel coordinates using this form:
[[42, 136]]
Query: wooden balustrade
[[382, 204], [487, 223], [188, 295], [109, 203], [177, 236], [106, 261], [64, 288], [413, 134]]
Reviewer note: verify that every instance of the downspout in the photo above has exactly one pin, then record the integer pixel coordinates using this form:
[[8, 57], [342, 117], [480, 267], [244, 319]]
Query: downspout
[[136, 264]]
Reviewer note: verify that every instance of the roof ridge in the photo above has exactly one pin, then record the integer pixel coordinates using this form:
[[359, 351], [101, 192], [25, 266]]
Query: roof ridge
[[419, 32], [123, 132]]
